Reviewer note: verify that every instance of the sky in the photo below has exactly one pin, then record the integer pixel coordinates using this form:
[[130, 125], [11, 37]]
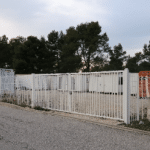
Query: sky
[[125, 21]]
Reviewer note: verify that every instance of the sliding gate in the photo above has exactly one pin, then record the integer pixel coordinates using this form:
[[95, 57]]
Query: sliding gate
[[98, 94]]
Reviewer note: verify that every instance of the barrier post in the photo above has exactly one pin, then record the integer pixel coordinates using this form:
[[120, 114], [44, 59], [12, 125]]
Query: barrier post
[[126, 96], [137, 98]]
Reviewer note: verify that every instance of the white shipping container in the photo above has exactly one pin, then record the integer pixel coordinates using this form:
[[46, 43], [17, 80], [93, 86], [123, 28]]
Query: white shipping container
[[134, 77], [63, 82], [52, 82], [98, 82], [80, 82], [113, 82], [26, 81], [23, 81], [6, 80], [105, 82]]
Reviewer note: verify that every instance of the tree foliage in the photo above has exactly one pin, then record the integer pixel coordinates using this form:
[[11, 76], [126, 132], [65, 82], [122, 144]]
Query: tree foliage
[[117, 57], [145, 64], [54, 44], [32, 56], [92, 43], [146, 52], [133, 62], [70, 58], [5, 55], [67, 52]]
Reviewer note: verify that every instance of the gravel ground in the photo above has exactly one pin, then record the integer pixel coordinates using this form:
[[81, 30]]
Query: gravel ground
[[27, 129]]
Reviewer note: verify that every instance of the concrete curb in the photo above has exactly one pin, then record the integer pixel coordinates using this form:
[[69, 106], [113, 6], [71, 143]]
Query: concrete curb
[[57, 113]]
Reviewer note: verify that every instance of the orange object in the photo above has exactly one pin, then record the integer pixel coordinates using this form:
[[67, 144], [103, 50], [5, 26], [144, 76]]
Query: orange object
[[144, 84]]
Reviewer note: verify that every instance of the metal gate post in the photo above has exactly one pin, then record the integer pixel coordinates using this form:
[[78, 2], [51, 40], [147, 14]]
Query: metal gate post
[[126, 96], [33, 90], [137, 98]]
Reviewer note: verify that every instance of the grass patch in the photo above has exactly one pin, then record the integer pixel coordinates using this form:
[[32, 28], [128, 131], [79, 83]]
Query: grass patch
[[6, 101], [143, 124], [15, 103], [23, 105], [40, 108]]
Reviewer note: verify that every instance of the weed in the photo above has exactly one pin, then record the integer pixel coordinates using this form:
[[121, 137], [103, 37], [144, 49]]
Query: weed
[[23, 105], [145, 125], [40, 108], [4, 100], [15, 102]]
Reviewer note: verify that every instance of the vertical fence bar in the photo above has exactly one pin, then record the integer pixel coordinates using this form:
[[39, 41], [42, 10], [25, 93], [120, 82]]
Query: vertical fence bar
[[80, 93], [114, 85], [57, 100], [69, 92], [142, 96], [90, 92], [126, 97], [112, 94], [102, 108], [121, 100], [0, 82], [100, 83], [92, 99], [120, 84], [137, 98], [97, 93], [104, 96], [58, 94], [72, 85], [94, 96], [132, 99], [117, 92], [46, 90], [84, 90], [109, 96], [51, 93], [33, 90], [38, 89]]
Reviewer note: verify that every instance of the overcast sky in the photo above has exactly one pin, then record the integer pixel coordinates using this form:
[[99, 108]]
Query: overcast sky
[[125, 21]]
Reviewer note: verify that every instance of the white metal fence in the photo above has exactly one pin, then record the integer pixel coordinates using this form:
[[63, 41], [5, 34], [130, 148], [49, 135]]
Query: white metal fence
[[108, 94], [76, 93]]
